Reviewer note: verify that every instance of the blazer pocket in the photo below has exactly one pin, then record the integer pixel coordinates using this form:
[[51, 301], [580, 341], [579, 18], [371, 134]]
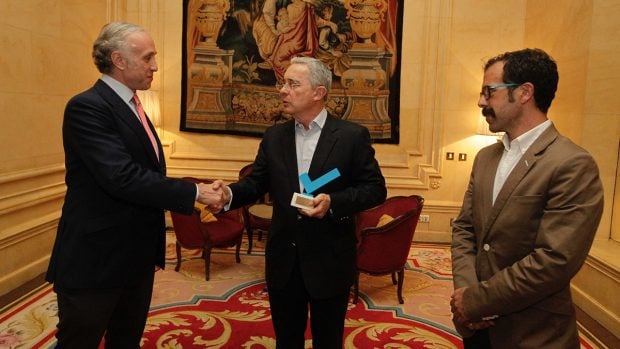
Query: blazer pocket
[[104, 230], [522, 215]]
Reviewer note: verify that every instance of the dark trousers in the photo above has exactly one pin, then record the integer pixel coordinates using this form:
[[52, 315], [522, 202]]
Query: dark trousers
[[480, 340], [86, 315], [289, 313]]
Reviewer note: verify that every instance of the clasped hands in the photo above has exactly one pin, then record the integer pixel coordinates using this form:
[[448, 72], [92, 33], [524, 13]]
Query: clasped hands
[[214, 195], [458, 313]]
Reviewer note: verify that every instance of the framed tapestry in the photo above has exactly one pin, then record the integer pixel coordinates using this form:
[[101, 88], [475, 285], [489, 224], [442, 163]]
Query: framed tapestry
[[234, 52]]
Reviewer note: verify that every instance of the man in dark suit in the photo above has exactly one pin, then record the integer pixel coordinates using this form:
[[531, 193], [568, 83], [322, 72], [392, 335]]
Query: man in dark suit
[[310, 253], [529, 216], [111, 235]]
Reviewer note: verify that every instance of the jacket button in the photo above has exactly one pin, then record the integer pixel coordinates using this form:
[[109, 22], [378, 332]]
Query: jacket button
[[299, 217], [486, 247]]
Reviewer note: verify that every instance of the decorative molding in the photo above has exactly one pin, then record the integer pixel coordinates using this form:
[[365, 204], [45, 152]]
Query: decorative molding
[[31, 173], [18, 277], [24, 199], [603, 267], [26, 231], [596, 310], [35, 194], [24, 190], [113, 11]]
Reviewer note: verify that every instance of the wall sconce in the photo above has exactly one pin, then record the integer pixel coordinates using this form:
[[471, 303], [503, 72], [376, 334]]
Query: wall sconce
[[483, 128], [150, 102]]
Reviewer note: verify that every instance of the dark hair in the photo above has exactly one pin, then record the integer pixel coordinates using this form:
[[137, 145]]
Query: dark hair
[[111, 38], [534, 66]]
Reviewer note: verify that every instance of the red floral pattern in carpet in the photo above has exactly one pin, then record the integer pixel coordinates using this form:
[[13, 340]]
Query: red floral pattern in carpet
[[242, 320], [232, 311]]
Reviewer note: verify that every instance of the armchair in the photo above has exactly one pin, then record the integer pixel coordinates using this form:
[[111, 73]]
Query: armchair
[[257, 216], [384, 243], [192, 233]]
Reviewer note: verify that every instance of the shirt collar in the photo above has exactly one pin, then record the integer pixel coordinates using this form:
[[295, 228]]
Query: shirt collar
[[319, 120], [123, 91], [524, 141]]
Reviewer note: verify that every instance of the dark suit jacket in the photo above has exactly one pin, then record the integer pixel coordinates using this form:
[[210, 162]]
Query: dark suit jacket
[[325, 247], [112, 224], [517, 256]]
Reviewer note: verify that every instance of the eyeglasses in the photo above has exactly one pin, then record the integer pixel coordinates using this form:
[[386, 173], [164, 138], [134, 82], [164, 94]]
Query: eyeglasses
[[290, 84], [487, 90]]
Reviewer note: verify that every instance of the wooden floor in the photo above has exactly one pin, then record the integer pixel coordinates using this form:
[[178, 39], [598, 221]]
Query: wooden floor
[[596, 332]]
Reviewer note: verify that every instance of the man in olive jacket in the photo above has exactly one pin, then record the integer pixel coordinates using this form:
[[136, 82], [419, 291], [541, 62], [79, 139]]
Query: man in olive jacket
[[529, 216]]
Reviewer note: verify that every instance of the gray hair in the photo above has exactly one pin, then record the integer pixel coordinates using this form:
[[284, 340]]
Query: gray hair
[[113, 37], [320, 75]]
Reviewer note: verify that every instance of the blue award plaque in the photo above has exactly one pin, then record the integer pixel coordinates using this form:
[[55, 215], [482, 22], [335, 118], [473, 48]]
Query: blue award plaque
[[304, 200]]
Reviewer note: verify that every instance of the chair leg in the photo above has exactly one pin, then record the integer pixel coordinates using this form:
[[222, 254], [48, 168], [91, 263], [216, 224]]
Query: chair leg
[[206, 252], [178, 257], [401, 278], [356, 287], [393, 278], [237, 258], [250, 234]]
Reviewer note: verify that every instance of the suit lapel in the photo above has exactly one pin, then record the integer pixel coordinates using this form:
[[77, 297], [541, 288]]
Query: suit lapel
[[324, 147], [521, 169], [488, 179], [126, 115], [287, 144]]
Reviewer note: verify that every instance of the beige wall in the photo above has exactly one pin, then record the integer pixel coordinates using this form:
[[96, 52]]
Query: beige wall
[[46, 59]]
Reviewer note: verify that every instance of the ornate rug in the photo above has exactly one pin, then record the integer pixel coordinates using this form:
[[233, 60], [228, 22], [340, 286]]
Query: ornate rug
[[232, 310]]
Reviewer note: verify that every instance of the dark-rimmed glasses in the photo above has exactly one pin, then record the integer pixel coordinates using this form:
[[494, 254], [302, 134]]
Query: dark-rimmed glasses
[[487, 90]]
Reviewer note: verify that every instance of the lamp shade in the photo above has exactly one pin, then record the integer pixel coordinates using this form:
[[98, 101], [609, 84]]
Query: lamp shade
[[150, 103]]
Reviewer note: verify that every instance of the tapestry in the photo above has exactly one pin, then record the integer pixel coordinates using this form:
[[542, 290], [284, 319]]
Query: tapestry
[[235, 51]]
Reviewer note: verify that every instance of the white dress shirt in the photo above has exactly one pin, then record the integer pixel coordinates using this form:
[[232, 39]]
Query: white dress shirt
[[122, 91], [513, 151], [306, 141]]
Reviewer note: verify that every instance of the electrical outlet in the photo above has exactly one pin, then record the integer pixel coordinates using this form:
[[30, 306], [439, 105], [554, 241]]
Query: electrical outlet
[[424, 218]]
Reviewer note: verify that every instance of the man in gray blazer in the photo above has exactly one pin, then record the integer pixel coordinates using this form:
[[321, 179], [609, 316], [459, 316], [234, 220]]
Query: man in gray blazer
[[111, 235], [529, 216]]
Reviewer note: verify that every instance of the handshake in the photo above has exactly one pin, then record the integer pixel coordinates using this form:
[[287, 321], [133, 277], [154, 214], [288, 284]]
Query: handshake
[[214, 195]]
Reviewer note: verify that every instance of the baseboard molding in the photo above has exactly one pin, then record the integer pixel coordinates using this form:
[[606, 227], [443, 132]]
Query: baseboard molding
[[428, 236], [596, 310], [22, 275]]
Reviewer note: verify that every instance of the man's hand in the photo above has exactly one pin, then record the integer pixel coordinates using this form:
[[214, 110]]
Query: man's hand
[[215, 195], [321, 204], [458, 312]]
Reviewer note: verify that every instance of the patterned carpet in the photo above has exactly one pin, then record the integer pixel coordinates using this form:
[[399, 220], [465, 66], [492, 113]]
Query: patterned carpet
[[232, 310]]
